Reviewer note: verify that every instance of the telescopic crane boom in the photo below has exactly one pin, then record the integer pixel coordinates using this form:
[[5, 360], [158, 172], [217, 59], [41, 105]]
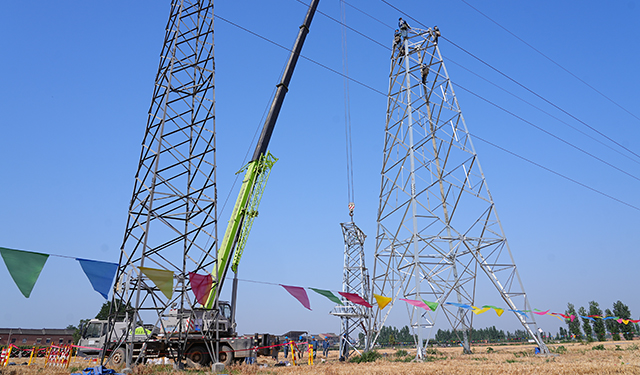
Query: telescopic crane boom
[[256, 173]]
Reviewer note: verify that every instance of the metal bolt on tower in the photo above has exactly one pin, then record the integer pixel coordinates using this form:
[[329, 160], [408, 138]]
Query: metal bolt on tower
[[172, 222], [437, 223], [355, 279]]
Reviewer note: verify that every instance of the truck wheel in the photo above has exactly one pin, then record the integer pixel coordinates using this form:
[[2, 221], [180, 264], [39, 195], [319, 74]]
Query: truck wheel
[[117, 357], [199, 355], [226, 355]]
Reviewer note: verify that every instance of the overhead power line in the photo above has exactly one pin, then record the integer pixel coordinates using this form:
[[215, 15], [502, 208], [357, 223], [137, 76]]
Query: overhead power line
[[385, 95], [550, 59], [518, 83]]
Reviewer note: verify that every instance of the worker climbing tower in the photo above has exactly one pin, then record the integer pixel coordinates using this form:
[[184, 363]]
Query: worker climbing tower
[[172, 225], [438, 229]]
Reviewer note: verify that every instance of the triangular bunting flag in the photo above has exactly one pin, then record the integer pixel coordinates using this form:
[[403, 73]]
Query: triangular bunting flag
[[355, 299], [162, 278], [100, 274], [498, 310], [415, 303], [382, 300], [461, 305], [432, 305], [328, 294], [24, 267], [201, 286], [298, 293], [478, 311]]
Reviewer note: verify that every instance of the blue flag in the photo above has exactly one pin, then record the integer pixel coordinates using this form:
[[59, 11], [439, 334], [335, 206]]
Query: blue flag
[[100, 274]]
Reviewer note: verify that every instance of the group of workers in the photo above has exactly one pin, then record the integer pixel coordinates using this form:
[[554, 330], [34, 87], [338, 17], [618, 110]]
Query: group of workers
[[402, 32], [300, 347]]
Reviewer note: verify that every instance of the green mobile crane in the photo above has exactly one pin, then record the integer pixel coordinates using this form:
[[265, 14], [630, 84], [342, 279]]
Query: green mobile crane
[[256, 173]]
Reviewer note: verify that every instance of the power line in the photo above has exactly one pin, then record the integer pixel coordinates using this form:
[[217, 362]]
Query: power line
[[556, 173], [547, 113], [547, 132], [381, 93], [304, 57], [518, 83], [550, 59]]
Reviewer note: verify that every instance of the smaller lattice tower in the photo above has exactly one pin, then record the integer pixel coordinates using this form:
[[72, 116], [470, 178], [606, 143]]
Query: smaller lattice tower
[[438, 229], [354, 319]]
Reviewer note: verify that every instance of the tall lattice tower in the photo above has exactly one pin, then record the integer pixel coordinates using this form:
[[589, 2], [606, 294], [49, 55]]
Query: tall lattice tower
[[437, 224], [354, 319], [172, 222]]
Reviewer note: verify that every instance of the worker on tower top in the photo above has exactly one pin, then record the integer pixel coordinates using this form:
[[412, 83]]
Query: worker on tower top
[[404, 27], [397, 41]]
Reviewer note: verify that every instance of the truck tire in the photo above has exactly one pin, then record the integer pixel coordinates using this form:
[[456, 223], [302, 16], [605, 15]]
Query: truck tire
[[226, 355], [117, 358], [199, 354]]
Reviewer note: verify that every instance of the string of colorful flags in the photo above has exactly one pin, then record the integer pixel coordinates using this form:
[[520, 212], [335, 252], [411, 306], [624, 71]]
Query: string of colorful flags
[[25, 268]]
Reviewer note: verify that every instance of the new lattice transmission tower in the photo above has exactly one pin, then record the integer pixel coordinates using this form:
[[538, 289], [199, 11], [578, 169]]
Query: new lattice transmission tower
[[172, 222], [438, 230]]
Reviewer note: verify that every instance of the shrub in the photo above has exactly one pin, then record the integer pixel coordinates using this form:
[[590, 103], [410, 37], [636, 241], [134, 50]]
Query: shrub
[[371, 356], [598, 347], [561, 350], [632, 347], [490, 350], [401, 353]]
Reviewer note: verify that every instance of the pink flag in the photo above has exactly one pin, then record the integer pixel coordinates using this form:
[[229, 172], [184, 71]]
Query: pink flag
[[299, 293], [355, 299], [201, 286], [540, 312], [415, 303]]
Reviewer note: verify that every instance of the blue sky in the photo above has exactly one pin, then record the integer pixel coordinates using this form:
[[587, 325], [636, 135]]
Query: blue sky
[[78, 81]]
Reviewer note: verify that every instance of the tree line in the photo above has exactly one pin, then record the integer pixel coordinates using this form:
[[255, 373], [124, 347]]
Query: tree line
[[597, 328]]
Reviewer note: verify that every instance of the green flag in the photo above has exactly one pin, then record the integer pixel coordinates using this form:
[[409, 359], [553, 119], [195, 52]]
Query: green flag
[[24, 267], [162, 278], [432, 305], [328, 294]]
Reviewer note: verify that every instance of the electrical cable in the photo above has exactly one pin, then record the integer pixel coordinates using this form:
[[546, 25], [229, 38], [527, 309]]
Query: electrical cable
[[550, 59], [546, 132], [381, 93], [519, 84], [547, 113]]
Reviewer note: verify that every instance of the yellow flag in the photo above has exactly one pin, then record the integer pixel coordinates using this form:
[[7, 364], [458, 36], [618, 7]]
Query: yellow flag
[[162, 278], [382, 301], [477, 310]]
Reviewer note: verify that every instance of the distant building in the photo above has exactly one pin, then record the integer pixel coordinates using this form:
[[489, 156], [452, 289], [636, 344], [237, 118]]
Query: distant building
[[31, 337]]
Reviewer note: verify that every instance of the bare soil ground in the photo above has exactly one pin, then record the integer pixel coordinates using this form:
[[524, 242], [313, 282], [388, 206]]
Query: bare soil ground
[[572, 358]]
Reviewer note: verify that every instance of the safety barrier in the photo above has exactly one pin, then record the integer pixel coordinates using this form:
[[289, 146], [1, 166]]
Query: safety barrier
[[58, 356], [4, 355]]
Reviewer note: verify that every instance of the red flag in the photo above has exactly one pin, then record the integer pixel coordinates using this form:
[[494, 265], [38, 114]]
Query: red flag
[[299, 293], [201, 286], [355, 299]]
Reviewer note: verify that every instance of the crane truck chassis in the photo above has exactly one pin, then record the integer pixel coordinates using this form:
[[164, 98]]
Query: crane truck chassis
[[192, 332]]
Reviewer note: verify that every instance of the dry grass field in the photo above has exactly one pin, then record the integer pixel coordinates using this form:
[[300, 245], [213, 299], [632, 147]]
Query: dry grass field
[[568, 359]]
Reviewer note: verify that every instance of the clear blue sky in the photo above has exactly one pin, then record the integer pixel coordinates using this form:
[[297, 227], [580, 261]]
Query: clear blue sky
[[77, 84]]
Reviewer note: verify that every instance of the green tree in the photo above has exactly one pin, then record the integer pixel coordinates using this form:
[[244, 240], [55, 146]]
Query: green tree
[[622, 311], [573, 325], [586, 326], [612, 326], [120, 308], [598, 324]]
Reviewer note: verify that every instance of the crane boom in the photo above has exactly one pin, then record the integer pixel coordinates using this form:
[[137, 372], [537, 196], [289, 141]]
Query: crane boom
[[256, 174]]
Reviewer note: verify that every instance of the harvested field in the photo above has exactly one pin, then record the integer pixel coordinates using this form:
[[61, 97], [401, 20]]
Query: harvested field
[[573, 358]]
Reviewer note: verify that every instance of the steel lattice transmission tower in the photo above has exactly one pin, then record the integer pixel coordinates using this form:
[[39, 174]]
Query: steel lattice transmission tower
[[437, 224], [354, 319], [172, 222]]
